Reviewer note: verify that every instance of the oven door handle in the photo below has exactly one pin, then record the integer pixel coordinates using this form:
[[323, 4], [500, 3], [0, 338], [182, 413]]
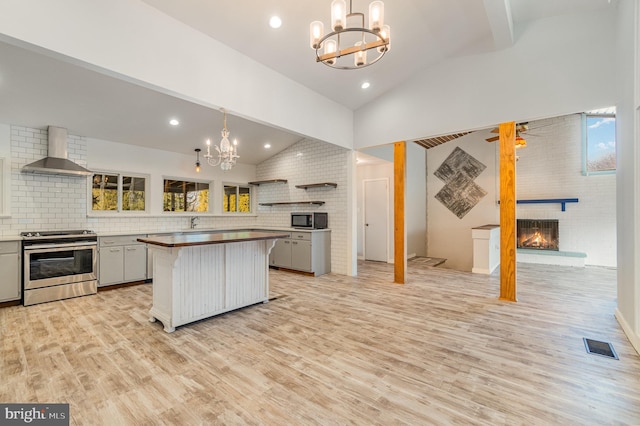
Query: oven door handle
[[64, 245]]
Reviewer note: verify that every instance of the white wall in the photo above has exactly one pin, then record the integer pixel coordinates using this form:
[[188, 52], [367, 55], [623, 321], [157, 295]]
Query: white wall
[[628, 178], [448, 236], [416, 206], [308, 162], [416, 203], [551, 167], [557, 65]]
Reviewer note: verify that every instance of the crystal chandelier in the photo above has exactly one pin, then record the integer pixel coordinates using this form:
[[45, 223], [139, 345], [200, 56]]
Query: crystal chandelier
[[227, 152], [351, 41]]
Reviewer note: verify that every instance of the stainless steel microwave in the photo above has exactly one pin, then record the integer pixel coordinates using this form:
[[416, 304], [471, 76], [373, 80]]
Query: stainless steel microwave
[[310, 220]]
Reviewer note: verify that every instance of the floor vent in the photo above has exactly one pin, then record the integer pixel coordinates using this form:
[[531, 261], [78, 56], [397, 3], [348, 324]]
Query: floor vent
[[600, 348]]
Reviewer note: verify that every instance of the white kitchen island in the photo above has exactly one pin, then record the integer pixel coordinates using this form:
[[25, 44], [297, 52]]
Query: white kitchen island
[[197, 276]]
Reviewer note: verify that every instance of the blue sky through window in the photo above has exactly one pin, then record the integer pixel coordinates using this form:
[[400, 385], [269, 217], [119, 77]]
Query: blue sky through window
[[601, 143]]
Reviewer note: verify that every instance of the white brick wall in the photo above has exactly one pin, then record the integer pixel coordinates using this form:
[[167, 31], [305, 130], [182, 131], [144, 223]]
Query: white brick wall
[[304, 163], [551, 167]]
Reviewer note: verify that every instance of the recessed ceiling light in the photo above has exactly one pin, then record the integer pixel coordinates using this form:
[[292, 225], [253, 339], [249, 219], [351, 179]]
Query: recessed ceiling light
[[365, 85], [275, 22], [267, 145], [174, 122]]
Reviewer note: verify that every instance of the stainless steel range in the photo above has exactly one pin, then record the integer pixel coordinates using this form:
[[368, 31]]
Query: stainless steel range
[[58, 265]]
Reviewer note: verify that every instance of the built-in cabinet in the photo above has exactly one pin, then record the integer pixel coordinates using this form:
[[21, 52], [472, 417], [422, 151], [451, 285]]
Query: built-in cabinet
[[121, 259], [10, 267], [303, 251]]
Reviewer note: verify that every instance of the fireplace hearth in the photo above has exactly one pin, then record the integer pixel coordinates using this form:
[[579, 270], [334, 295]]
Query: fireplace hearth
[[538, 234]]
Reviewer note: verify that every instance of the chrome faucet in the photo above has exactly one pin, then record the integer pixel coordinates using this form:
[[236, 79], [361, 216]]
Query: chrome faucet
[[194, 221]]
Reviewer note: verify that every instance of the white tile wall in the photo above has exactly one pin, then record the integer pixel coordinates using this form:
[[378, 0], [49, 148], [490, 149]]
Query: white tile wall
[[304, 163]]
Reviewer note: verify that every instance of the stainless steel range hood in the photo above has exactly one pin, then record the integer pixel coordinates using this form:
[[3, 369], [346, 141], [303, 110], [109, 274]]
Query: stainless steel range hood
[[57, 162]]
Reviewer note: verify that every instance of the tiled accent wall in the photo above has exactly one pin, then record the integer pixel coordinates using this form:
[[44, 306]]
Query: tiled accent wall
[[43, 201], [308, 162], [551, 167]]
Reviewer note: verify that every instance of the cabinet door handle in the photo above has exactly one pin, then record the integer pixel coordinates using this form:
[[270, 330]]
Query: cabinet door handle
[[295, 242], [107, 242], [287, 242], [114, 250], [132, 248]]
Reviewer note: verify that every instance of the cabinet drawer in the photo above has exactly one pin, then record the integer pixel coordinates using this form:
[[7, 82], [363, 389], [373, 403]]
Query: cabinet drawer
[[301, 236], [9, 247], [121, 240]]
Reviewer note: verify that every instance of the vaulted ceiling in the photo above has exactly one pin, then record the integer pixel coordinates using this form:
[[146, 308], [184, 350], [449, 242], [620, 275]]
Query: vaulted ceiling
[[38, 89]]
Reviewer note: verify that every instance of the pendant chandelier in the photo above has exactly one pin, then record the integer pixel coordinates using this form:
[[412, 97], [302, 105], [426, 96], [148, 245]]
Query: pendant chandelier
[[227, 152], [345, 42]]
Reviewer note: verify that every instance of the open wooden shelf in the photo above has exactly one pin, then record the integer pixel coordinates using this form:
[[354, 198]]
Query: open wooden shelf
[[318, 185], [317, 203], [562, 201], [262, 182]]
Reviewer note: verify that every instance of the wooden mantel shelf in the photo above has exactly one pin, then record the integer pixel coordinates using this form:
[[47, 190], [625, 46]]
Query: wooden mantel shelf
[[562, 201], [261, 182], [318, 185], [283, 203]]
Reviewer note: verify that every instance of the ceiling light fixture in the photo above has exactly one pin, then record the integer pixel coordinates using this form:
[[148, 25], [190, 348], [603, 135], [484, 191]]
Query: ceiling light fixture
[[365, 85], [275, 22], [197, 150], [227, 152], [344, 40], [267, 145], [174, 122]]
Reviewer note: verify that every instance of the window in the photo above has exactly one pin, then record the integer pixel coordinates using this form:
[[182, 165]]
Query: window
[[599, 133], [185, 196], [237, 199], [118, 192]]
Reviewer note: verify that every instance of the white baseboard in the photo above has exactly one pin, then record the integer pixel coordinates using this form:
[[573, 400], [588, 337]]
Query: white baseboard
[[631, 335]]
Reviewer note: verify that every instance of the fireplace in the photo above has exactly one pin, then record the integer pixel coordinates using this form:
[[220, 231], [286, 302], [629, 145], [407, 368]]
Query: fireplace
[[538, 234]]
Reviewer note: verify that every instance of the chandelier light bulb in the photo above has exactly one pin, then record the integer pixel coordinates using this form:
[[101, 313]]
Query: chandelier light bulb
[[338, 15], [330, 47], [376, 16], [360, 57], [385, 33], [316, 32]]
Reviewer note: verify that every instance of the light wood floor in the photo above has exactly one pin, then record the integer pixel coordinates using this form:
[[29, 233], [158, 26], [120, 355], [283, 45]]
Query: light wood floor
[[336, 350]]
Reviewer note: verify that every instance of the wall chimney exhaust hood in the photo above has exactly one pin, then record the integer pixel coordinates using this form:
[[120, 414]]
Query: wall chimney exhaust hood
[[57, 162]]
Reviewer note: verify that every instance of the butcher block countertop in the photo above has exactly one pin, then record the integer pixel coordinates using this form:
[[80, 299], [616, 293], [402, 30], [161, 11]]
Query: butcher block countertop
[[211, 238]]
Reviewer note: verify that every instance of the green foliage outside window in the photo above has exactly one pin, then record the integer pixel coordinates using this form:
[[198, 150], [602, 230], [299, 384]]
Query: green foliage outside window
[[106, 189], [185, 196], [237, 199]]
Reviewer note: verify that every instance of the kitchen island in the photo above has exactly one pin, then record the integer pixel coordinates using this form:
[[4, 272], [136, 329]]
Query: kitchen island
[[197, 276]]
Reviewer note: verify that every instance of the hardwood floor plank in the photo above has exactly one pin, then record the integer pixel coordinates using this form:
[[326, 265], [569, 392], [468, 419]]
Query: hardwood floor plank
[[336, 350]]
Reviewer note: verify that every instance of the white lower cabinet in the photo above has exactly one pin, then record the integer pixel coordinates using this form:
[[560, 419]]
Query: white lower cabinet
[[121, 259], [303, 251], [10, 267]]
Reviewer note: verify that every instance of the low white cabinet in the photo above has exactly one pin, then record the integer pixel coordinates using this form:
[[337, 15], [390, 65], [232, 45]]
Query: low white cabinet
[[10, 267], [306, 251], [121, 259]]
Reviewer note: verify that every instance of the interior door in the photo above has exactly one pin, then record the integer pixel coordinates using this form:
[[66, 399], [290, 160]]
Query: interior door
[[376, 219]]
